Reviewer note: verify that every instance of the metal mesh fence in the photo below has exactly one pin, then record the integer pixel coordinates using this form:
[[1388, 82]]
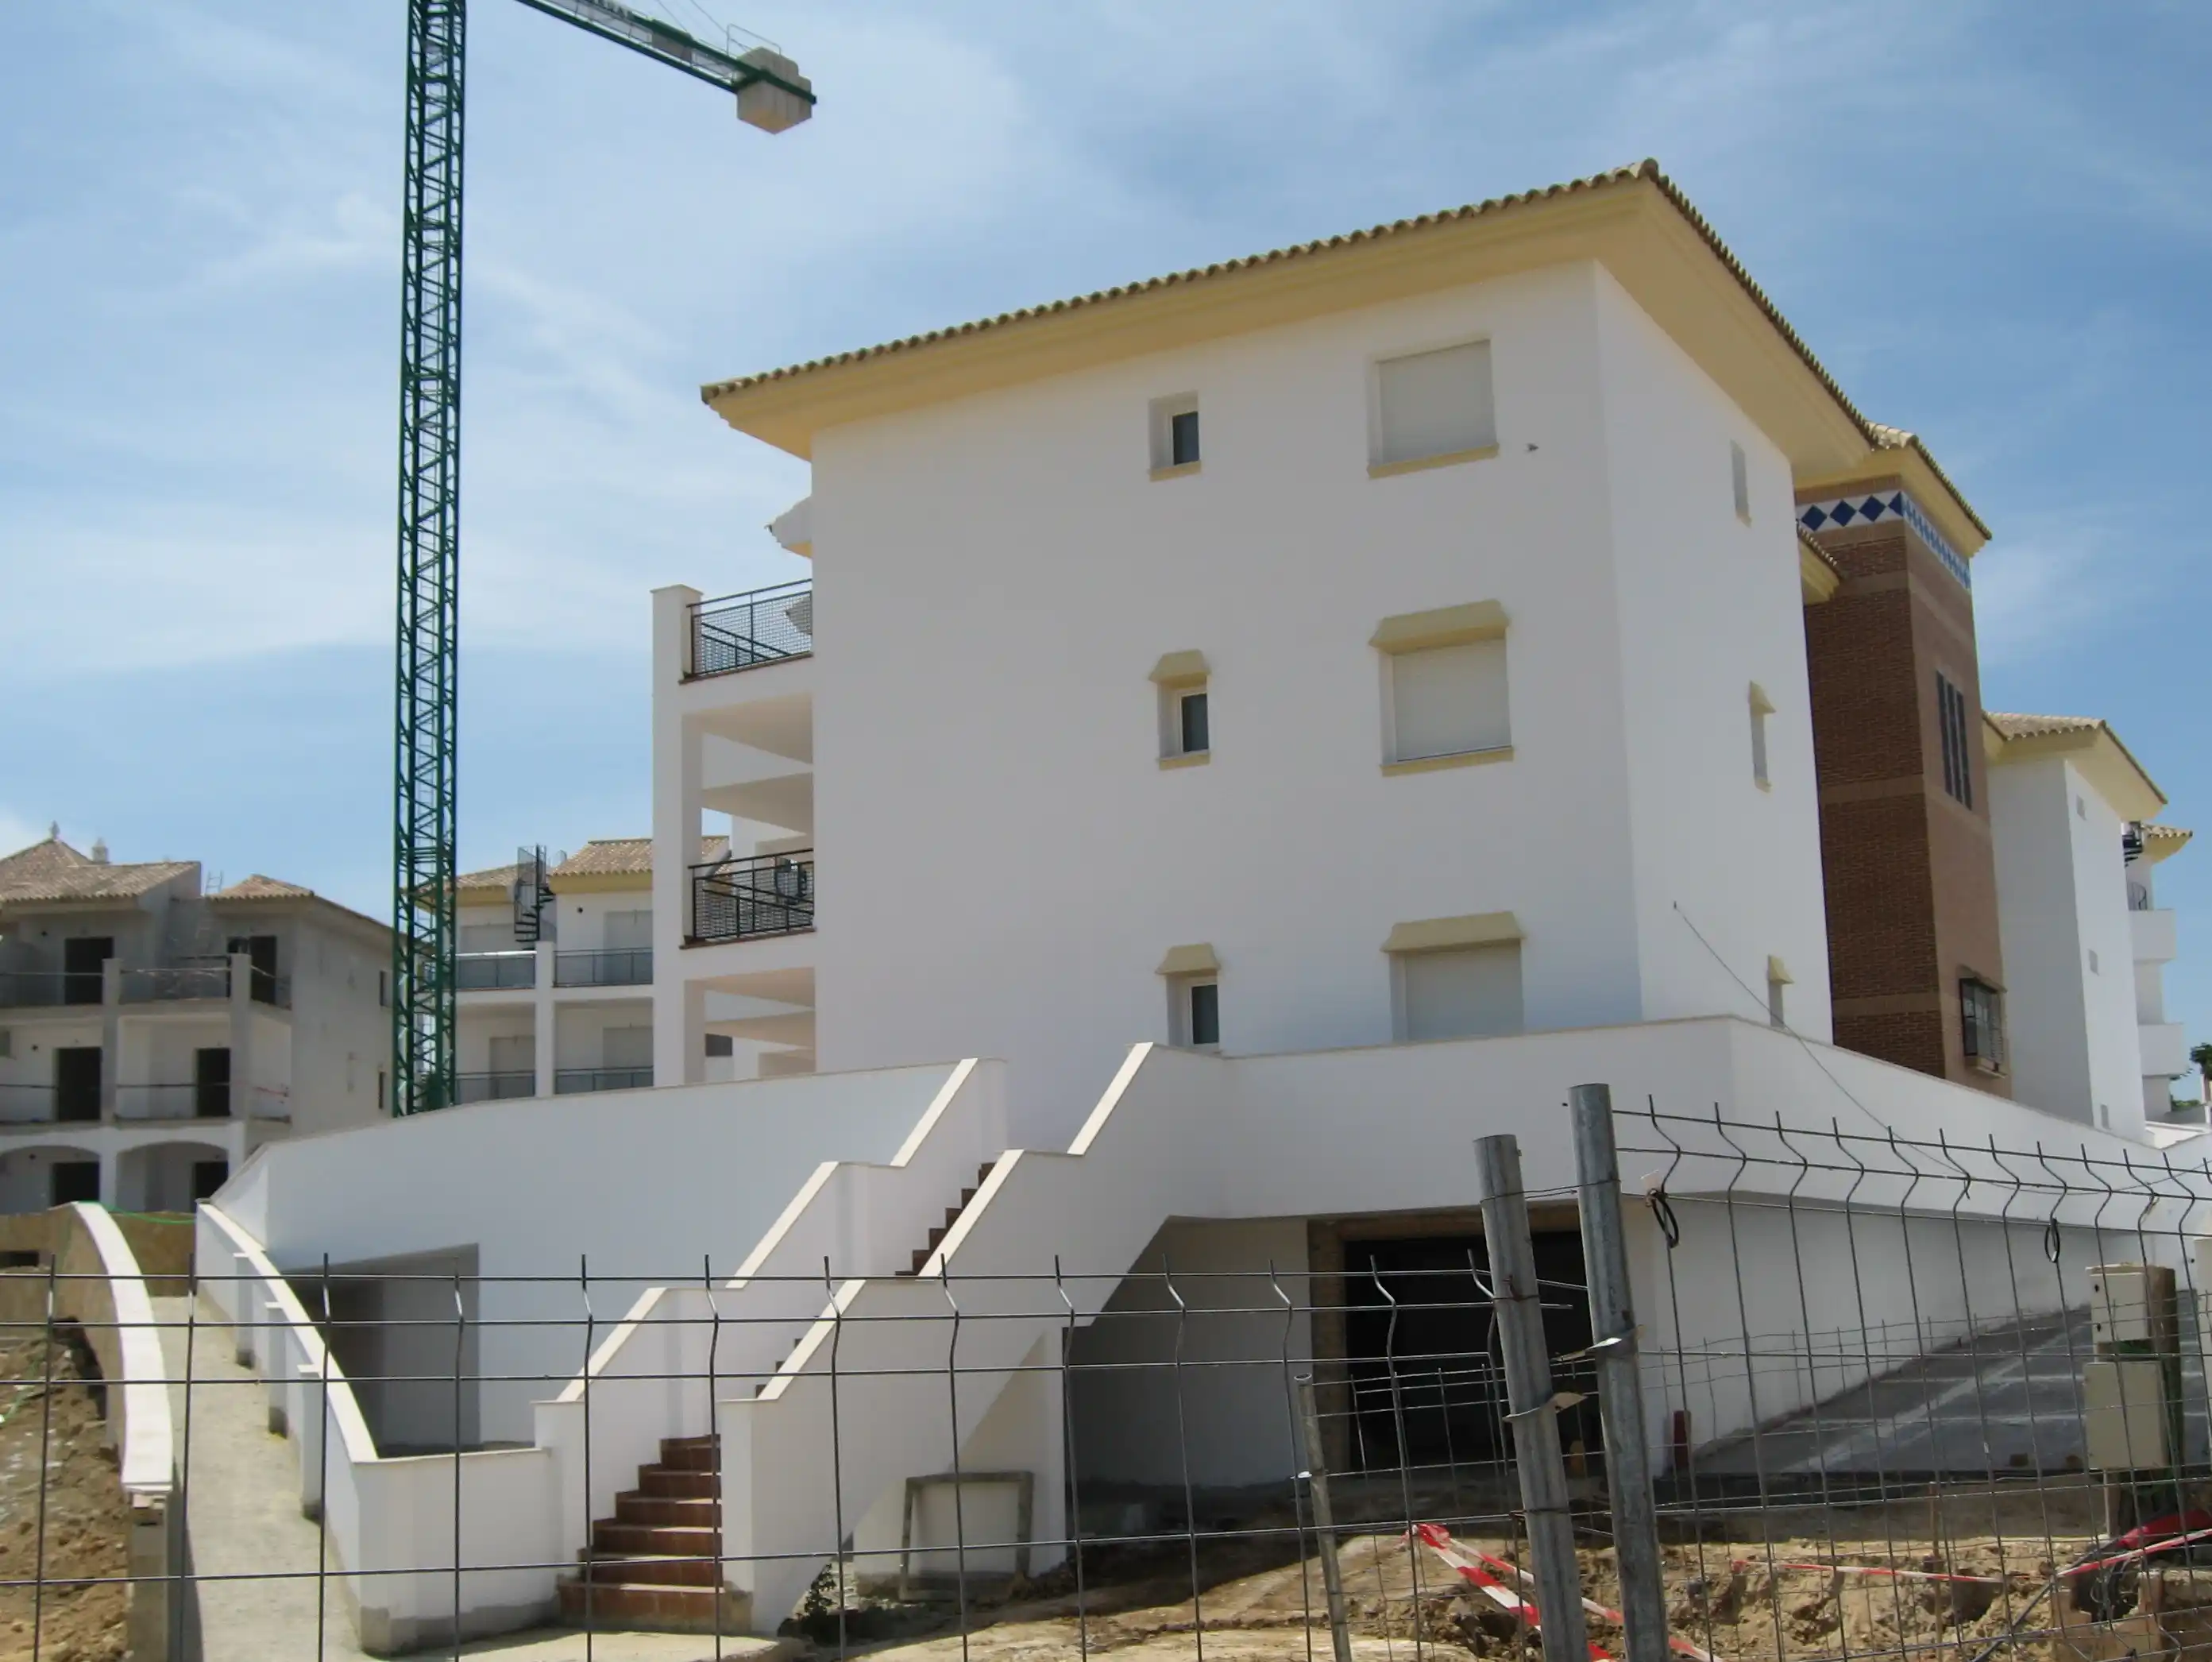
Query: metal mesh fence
[[1901, 1398]]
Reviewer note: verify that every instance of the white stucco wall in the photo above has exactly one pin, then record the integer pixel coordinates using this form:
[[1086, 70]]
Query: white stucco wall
[[1706, 605], [2062, 895], [996, 576], [644, 1186]]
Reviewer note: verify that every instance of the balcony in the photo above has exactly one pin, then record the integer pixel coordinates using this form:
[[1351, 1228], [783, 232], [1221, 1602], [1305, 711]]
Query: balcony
[[571, 1081], [2165, 1049], [741, 631], [138, 1104], [207, 980], [33, 989], [758, 895], [496, 1086], [2152, 933], [485, 972], [618, 966]]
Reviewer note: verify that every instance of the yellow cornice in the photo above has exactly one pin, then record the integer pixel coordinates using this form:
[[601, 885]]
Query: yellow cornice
[[600, 882], [2104, 761], [1907, 466], [1817, 577], [1634, 223]]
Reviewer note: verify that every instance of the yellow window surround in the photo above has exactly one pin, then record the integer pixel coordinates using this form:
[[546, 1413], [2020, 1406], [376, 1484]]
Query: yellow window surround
[[1384, 470], [1439, 934], [1458, 758], [1196, 959], [1451, 625], [1180, 669]]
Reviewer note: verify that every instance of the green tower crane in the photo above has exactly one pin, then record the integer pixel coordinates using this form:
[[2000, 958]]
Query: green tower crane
[[772, 95]]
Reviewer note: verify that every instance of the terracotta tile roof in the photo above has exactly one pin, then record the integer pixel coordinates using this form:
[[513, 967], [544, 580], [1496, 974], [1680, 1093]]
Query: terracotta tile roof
[[2034, 727], [1648, 170], [263, 889], [40, 860], [258, 887], [94, 881], [1896, 438], [626, 857], [2172, 837], [500, 878]]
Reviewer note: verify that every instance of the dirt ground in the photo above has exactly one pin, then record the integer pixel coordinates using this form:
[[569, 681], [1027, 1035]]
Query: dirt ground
[[87, 1518], [1739, 1586]]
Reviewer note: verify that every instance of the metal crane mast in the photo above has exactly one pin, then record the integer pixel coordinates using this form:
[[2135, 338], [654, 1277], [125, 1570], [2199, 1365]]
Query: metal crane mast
[[772, 95]]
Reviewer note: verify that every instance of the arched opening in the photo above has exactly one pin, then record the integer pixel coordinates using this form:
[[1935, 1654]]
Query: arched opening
[[47, 1174], [169, 1177]]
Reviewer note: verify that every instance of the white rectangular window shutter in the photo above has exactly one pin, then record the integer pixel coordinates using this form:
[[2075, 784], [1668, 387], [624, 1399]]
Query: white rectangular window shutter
[[487, 937], [513, 1053], [628, 931], [1447, 700], [1472, 992], [1434, 404], [627, 1047]]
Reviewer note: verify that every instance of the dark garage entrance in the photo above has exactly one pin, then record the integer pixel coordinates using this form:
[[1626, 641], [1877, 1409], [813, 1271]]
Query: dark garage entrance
[[1428, 1372]]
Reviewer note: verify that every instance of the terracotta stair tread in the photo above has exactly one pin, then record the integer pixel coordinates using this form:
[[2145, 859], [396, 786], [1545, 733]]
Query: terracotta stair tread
[[951, 1216], [610, 1606]]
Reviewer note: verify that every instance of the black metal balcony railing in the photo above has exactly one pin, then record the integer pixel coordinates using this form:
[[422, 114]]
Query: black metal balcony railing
[[496, 1085], [570, 1081], [618, 966], [191, 1099], [740, 631], [21, 989], [760, 894], [207, 979], [478, 972]]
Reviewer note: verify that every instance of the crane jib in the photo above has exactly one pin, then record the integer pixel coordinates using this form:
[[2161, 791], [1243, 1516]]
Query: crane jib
[[673, 46]]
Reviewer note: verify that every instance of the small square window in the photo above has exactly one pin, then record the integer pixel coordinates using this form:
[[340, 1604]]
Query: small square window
[[1190, 709], [2092, 960], [1182, 438], [1740, 478], [1174, 434]]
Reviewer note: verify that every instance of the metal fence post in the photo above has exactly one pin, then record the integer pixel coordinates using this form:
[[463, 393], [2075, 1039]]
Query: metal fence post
[[1528, 1399], [1324, 1517], [1613, 1326]]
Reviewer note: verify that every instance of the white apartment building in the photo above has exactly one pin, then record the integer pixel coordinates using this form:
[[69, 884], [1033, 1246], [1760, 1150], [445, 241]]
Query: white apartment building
[[1490, 587], [152, 1037], [2084, 948], [1255, 731], [555, 974]]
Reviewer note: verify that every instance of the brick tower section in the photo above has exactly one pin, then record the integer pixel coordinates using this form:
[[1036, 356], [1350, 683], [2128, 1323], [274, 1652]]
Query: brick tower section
[[1910, 875]]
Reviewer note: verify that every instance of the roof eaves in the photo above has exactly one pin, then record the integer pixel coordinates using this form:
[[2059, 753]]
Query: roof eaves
[[1647, 171]]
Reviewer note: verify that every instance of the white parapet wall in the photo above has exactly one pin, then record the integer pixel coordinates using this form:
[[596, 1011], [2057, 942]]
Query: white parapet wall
[[834, 1374], [98, 1286]]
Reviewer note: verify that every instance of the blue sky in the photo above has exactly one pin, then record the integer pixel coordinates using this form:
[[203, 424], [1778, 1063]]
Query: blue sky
[[1992, 221]]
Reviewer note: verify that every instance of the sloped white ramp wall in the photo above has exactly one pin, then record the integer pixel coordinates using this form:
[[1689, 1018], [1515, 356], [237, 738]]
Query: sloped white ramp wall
[[900, 1373]]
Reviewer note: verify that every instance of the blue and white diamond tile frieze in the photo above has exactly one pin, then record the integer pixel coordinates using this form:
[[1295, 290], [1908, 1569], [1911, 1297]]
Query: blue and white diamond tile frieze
[[1877, 507]]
